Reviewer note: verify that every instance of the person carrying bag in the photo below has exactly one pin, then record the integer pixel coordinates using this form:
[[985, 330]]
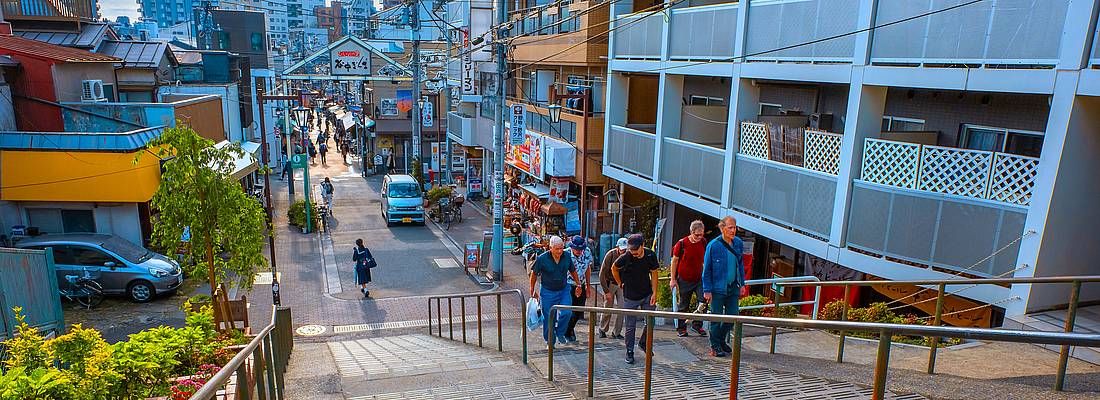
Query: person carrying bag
[[364, 262]]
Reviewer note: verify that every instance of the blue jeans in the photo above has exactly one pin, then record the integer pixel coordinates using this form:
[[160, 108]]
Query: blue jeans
[[549, 298], [725, 304]]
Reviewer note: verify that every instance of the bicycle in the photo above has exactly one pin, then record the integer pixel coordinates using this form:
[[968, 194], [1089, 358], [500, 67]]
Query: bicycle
[[323, 212], [83, 290]]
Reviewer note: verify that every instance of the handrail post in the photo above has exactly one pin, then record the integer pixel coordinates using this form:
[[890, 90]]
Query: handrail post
[[647, 386], [500, 328], [775, 313], [1063, 356], [244, 390], [258, 373], [550, 344], [522, 329], [462, 301], [479, 321], [438, 316], [735, 360], [843, 317], [591, 351], [935, 340], [451, 317], [882, 361], [429, 316], [817, 300], [269, 359]]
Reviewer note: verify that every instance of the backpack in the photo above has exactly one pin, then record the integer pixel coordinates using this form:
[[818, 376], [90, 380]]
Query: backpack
[[324, 147]]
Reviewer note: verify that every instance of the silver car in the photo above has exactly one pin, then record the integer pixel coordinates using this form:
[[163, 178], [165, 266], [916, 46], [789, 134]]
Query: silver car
[[119, 266]]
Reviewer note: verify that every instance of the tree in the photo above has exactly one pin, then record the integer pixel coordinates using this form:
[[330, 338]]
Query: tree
[[197, 193]]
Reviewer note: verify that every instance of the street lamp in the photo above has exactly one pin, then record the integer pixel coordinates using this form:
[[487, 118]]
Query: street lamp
[[555, 113], [300, 113]]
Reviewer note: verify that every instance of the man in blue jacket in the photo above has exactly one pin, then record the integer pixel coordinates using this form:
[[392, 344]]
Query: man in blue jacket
[[723, 277]]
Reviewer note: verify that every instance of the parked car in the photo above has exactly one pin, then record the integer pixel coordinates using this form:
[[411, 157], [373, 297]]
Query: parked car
[[402, 200], [121, 267]]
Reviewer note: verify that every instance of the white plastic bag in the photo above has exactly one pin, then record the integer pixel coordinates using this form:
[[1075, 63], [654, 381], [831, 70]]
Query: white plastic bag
[[534, 314]]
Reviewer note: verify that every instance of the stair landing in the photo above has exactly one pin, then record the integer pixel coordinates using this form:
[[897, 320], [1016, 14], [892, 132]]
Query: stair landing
[[1086, 321]]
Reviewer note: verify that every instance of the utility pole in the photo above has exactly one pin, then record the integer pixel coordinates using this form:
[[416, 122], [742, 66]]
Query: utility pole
[[414, 22], [498, 145]]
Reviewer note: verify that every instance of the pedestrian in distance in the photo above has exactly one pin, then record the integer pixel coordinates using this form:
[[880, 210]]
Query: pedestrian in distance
[[323, 150], [582, 262], [327, 191], [612, 293], [551, 268], [686, 272], [636, 274], [312, 152], [364, 262], [723, 277]]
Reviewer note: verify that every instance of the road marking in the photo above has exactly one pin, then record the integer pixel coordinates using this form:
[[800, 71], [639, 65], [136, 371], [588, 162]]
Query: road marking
[[310, 330], [328, 262], [445, 263]]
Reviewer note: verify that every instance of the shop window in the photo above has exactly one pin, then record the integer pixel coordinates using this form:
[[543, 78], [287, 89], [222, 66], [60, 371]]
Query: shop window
[[55, 220], [1019, 142], [901, 124]]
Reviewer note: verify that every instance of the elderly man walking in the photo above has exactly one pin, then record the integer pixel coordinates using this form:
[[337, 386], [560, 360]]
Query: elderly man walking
[[552, 267], [723, 277], [686, 272], [636, 274]]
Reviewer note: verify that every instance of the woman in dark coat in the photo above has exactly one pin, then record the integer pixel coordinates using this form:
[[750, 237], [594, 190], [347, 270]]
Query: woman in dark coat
[[364, 261]]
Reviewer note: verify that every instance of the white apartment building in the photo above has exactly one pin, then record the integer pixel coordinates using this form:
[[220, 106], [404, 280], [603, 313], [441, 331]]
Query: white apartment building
[[359, 14], [962, 142]]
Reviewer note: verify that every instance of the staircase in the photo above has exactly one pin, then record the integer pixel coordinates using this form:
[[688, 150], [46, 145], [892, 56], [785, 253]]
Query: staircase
[[1086, 321]]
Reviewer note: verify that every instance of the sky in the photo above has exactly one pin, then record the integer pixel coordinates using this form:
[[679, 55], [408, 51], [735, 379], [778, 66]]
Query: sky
[[111, 9]]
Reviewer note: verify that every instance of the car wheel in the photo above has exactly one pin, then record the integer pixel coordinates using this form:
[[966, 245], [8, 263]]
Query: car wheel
[[141, 291]]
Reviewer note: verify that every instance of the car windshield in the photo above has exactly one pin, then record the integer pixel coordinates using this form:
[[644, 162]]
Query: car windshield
[[403, 190], [131, 252]]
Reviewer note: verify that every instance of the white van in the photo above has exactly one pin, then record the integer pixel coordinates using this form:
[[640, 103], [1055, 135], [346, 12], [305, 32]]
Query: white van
[[402, 200]]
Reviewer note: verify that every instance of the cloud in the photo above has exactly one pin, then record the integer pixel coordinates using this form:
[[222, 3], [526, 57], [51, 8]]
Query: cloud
[[113, 8]]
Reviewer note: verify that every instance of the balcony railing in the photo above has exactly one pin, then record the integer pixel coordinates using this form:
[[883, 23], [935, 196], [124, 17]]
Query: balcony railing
[[988, 32], [797, 196], [692, 168], [775, 24], [461, 128], [552, 20], [703, 33], [639, 36], [75, 9], [631, 150], [1000, 177]]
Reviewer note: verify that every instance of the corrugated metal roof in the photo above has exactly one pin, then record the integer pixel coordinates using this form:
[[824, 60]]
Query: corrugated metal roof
[[126, 141], [34, 48], [136, 54], [6, 61], [88, 38]]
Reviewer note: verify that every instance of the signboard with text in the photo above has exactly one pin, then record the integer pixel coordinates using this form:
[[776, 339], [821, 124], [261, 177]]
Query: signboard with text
[[518, 120], [350, 58], [426, 115], [468, 86], [526, 156]]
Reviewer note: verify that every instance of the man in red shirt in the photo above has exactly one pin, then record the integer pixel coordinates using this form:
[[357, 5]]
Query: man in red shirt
[[687, 272]]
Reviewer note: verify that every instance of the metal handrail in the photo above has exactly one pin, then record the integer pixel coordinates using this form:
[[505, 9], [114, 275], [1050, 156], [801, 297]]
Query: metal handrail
[[885, 331], [270, 351], [1071, 311], [462, 299]]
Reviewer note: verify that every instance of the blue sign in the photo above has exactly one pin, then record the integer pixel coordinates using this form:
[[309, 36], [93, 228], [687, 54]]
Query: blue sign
[[572, 217]]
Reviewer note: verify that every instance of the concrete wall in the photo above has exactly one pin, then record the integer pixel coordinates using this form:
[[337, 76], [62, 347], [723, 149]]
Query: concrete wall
[[946, 111], [231, 109], [68, 77], [120, 219]]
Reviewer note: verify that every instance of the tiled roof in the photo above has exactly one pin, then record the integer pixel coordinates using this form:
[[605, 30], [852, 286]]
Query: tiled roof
[[32, 48], [136, 54]]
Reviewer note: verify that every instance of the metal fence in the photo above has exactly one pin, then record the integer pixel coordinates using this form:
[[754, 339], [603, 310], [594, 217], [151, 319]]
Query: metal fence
[[639, 36], [631, 150], [29, 281], [703, 33], [988, 32], [794, 196], [693, 168], [256, 372], [775, 24]]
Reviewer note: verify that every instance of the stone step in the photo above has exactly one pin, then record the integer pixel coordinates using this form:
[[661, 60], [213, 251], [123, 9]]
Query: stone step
[[1086, 321]]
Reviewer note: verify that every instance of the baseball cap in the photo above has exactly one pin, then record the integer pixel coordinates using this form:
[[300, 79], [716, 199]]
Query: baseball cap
[[578, 242], [635, 241], [621, 244]]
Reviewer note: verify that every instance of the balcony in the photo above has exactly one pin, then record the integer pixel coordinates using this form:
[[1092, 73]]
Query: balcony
[[631, 150], [703, 33], [461, 128], [692, 168], [638, 36], [49, 9], [775, 24], [994, 32], [790, 186], [566, 28], [941, 206]]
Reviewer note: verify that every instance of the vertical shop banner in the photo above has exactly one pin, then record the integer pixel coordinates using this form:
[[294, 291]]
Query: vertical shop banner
[[572, 217], [468, 73], [404, 100], [426, 117], [436, 151], [519, 124], [559, 189]]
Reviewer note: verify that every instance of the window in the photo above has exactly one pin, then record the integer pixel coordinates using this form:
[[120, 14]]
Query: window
[[706, 101], [901, 124], [1019, 142], [771, 109], [56, 220], [61, 254], [90, 257]]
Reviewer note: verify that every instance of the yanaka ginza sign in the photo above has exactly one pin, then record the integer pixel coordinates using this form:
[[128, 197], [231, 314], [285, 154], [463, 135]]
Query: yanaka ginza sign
[[350, 58]]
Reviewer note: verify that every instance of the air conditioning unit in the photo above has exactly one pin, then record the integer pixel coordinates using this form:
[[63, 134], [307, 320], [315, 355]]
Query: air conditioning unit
[[92, 91]]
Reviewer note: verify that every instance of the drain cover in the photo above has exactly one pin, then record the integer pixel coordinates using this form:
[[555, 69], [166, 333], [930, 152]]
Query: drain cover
[[310, 330]]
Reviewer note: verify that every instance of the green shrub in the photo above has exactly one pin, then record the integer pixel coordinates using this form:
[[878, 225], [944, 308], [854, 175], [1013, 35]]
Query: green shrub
[[880, 312], [297, 214], [437, 193], [756, 300]]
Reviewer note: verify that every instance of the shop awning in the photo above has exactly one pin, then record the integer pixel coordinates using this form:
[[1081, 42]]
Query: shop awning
[[348, 120], [537, 189], [246, 163]]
